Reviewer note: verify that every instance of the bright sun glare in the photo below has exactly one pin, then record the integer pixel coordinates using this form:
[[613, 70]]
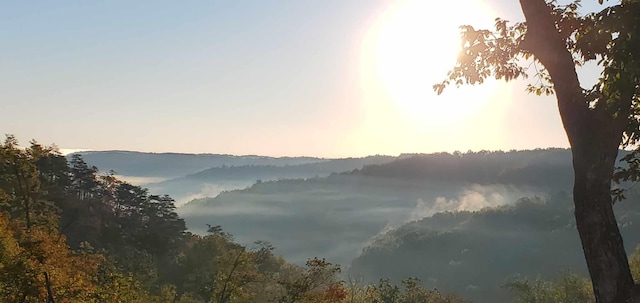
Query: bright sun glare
[[412, 46]]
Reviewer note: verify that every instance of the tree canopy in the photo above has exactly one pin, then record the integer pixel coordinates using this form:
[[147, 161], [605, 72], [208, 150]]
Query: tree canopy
[[556, 39], [71, 234]]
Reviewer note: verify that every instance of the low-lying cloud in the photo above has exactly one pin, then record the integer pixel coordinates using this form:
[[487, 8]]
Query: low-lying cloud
[[471, 198], [341, 220], [207, 190]]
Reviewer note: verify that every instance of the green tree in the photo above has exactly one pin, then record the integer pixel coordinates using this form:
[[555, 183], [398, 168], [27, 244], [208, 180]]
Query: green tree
[[53, 171], [411, 291], [569, 288], [36, 263], [19, 182], [597, 120], [315, 283], [83, 178]]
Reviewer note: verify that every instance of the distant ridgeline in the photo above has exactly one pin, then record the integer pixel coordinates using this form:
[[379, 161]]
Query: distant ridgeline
[[339, 215], [474, 254], [171, 165], [541, 167], [189, 176], [520, 167], [463, 223]]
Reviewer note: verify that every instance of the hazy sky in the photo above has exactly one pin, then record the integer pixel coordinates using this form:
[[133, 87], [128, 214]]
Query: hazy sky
[[300, 77]]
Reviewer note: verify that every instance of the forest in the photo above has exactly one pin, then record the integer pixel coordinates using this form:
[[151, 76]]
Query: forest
[[477, 254], [338, 215], [72, 234], [310, 78]]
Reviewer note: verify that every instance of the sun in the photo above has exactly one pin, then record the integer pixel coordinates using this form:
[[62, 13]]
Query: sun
[[411, 46]]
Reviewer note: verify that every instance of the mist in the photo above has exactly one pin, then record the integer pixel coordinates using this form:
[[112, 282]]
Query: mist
[[336, 217]]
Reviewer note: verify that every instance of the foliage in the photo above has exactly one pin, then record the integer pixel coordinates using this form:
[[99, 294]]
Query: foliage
[[34, 257], [608, 37], [569, 288], [410, 292], [471, 253], [317, 283], [557, 39], [70, 234]]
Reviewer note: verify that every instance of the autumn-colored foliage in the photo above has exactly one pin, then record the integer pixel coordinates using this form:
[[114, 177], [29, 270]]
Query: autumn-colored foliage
[[70, 234]]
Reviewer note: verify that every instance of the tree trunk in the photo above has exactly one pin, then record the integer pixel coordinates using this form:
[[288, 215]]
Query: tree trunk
[[594, 136], [50, 298], [601, 240]]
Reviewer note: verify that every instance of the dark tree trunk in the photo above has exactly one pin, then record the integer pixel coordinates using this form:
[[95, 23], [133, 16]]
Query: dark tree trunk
[[50, 298], [601, 240], [594, 136]]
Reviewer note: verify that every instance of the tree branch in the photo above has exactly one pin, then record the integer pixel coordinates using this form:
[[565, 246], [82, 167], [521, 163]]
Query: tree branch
[[546, 43]]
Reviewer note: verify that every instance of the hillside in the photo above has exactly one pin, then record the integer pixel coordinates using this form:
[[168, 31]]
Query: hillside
[[474, 253], [91, 238], [338, 215], [172, 165], [211, 181], [540, 167]]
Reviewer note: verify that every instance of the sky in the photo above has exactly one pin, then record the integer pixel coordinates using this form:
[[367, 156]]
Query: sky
[[328, 78]]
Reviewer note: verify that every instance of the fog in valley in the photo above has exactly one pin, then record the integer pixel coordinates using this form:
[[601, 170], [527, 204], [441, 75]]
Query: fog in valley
[[433, 216], [334, 217], [376, 151]]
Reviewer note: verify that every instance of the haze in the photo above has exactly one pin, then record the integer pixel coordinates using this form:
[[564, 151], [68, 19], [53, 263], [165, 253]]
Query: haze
[[295, 151], [318, 78]]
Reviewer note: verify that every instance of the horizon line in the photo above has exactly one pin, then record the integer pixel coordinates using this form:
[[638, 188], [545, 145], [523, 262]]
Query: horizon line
[[69, 151]]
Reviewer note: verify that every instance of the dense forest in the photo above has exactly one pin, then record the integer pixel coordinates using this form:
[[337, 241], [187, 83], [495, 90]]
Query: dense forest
[[512, 208], [337, 216], [227, 176], [71, 234], [540, 167], [475, 254]]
